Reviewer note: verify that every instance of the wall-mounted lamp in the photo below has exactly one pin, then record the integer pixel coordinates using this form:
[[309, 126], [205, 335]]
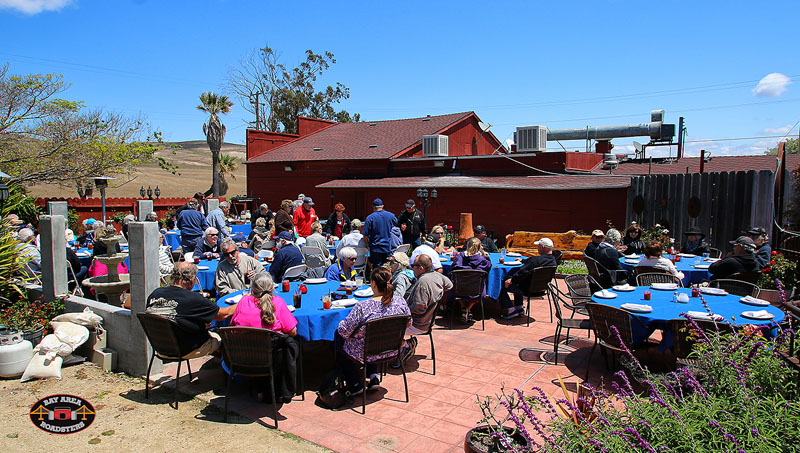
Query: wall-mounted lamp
[[288, 168]]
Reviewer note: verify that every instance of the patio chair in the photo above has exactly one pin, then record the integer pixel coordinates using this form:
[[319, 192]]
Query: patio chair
[[749, 277], [599, 273], [72, 279], [737, 287], [294, 272], [580, 287], [162, 333], [570, 323], [684, 337], [247, 351], [383, 336], [657, 277], [403, 248], [648, 270], [557, 254], [540, 278], [430, 313], [361, 259], [714, 253], [469, 284], [314, 257], [602, 318]]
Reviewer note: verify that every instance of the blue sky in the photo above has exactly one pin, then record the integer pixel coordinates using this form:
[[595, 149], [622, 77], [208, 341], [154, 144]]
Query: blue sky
[[560, 64]]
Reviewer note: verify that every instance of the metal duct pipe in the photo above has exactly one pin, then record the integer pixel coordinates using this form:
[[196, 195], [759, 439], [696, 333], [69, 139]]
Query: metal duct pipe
[[652, 130]]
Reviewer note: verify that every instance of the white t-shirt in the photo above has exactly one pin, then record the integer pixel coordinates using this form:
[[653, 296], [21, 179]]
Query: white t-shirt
[[437, 263], [661, 263]]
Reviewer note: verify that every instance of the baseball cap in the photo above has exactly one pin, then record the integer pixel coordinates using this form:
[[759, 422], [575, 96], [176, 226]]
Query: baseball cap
[[89, 221], [744, 241], [598, 233], [308, 201], [544, 242], [377, 202], [410, 203], [284, 235], [401, 258], [480, 229], [757, 231]]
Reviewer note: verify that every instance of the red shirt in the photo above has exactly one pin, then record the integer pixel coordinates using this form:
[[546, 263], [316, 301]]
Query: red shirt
[[303, 220]]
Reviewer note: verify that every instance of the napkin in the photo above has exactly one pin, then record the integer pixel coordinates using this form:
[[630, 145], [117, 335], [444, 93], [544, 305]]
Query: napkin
[[637, 307], [754, 301], [664, 286], [683, 298], [625, 287], [713, 291], [512, 254], [605, 294], [703, 315], [760, 314]]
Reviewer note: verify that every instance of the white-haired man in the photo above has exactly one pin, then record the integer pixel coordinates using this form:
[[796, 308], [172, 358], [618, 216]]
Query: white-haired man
[[26, 247], [288, 255], [343, 270], [607, 255], [236, 271], [216, 219], [520, 277], [208, 247]]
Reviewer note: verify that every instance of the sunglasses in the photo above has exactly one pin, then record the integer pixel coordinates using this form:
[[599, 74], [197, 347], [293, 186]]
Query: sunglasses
[[350, 259], [416, 265], [213, 234], [231, 253]]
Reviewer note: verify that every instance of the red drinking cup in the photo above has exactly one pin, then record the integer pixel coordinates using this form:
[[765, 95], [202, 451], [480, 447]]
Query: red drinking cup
[[285, 286], [647, 295]]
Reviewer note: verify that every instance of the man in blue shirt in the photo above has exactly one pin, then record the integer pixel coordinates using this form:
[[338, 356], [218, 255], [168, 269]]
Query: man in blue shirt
[[378, 233], [216, 219], [289, 255], [192, 225]]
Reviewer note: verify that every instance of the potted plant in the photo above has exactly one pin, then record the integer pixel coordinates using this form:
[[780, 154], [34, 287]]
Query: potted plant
[[501, 433], [30, 317]]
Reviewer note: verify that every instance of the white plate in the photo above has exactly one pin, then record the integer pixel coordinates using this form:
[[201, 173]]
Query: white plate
[[443, 258], [83, 254], [290, 307], [202, 268], [632, 261], [367, 292], [639, 308], [605, 294], [664, 286], [513, 263], [512, 254], [713, 291], [686, 255], [750, 300], [172, 232], [625, 287], [761, 315], [704, 315], [343, 303], [632, 256], [701, 266], [315, 281]]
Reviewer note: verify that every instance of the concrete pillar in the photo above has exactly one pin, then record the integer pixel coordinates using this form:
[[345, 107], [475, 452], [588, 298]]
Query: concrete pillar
[[211, 204], [143, 207], [54, 255], [58, 208], [143, 239]]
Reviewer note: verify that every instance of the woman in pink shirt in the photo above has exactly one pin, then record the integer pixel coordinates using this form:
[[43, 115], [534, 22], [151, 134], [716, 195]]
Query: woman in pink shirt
[[262, 309]]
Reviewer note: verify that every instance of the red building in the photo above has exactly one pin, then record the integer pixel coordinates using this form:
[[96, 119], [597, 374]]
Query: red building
[[353, 163]]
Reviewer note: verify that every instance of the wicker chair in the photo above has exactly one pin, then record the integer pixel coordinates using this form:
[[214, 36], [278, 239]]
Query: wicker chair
[[602, 318], [657, 277], [469, 284], [737, 287], [541, 277], [162, 333], [648, 270], [383, 336], [684, 337], [580, 288], [570, 323]]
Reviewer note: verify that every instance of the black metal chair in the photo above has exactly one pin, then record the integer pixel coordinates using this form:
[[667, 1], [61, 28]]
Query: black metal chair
[[714, 253], [431, 314], [749, 277], [247, 351], [685, 337], [162, 333], [737, 287], [570, 323], [602, 318], [540, 278], [469, 284], [383, 336], [557, 255], [599, 273], [657, 277]]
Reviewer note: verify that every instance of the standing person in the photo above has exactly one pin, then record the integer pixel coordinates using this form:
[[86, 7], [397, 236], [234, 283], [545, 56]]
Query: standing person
[[412, 224], [236, 271], [304, 217], [192, 225], [288, 255], [486, 242], [520, 277], [283, 218], [633, 240], [299, 202], [199, 200], [338, 223], [378, 233], [262, 212], [695, 242], [216, 219], [591, 248], [763, 249]]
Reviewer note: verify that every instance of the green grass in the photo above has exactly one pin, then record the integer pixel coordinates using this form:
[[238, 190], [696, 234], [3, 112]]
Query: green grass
[[572, 267]]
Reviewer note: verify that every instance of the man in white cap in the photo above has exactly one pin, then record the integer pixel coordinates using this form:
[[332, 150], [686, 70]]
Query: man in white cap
[[521, 277]]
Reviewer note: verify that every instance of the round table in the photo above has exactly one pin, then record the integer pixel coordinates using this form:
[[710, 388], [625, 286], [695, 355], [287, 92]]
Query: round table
[[173, 238], [207, 277], [313, 322], [691, 274], [729, 307], [497, 274], [244, 228]]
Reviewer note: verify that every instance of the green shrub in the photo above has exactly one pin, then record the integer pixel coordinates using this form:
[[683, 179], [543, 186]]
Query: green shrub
[[572, 267]]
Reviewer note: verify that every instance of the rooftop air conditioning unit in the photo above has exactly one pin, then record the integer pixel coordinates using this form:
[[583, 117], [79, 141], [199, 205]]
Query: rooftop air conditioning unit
[[531, 139], [435, 146]]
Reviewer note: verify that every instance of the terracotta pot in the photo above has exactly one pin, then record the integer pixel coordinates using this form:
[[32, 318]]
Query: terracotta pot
[[474, 445]]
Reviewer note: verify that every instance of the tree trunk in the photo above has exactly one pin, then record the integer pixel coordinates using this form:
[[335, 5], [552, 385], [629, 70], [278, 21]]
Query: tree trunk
[[223, 185], [215, 172]]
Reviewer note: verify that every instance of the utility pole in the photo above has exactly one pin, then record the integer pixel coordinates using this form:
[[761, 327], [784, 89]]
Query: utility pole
[[257, 109]]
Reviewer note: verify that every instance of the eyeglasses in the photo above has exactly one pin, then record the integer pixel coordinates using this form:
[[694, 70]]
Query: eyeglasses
[[231, 253], [416, 265], [349, 258], [213, 234]]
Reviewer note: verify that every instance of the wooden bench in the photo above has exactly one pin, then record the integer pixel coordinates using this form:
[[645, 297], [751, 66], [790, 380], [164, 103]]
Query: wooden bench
[[570, 243]]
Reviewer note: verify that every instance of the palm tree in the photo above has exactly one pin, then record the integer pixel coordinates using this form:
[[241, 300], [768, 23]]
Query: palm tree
[[214, 130], [228, 164]]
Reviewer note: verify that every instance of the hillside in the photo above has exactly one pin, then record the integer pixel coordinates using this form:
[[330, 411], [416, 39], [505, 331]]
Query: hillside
[[194, 161]]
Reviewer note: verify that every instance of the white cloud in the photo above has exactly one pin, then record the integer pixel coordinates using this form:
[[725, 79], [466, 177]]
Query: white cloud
[[777, 130], [32, 7], [772, 85]]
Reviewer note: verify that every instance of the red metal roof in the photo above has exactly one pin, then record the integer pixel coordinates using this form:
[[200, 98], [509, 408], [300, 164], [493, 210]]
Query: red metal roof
[[713, 165], [556, 182], [355, 141]]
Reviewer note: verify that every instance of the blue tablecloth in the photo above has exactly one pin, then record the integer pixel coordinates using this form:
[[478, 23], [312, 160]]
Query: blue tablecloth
[[206, 276], [245, 229], [691, 275], [313, 322], [496, 275], [173, 239], [664, 309]]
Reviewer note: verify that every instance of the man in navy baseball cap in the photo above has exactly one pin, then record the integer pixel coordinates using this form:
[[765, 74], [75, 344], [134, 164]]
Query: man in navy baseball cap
[[378, 233]]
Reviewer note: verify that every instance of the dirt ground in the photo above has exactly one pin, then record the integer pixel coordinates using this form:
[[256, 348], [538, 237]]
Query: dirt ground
[[127, 421]]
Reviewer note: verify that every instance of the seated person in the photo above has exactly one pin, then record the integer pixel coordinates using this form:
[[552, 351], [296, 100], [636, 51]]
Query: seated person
[[259, 235], [342, 270], [101, 232], [743, 260], [190, 310], [763, 250], [488, 243], [316, 239], [261, 308], [78, 269], [354, 238], [236, 271], [653, 258], [88, 232], [427, 248], [633, 240], [520, 277], [164, 257], [695, 242], [607, 255], [471, 258], [440, 244], [402, 277], [288, 255], [28, 249], [349, 339], [591, 248], [208, 246]]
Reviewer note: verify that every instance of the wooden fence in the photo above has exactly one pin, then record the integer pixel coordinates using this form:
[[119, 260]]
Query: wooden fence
[[721, 204]]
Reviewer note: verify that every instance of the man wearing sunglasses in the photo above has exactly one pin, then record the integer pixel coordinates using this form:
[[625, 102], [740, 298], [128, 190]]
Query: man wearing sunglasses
[[208, 248], [236, 271]]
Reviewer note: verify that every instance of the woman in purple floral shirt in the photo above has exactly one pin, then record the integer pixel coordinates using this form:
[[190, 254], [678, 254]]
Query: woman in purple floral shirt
[[350, 334]]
